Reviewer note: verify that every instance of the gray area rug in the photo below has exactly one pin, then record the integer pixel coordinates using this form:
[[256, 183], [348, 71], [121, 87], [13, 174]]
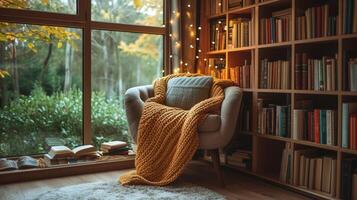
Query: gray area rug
[[113, 190]]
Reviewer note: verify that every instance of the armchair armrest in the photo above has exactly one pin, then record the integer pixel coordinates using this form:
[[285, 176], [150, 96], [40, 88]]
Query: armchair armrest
[[134, 103], [229, 114]]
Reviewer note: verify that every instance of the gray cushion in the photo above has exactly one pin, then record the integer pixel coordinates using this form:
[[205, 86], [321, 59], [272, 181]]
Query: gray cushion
[[185, 92], [210, 124]]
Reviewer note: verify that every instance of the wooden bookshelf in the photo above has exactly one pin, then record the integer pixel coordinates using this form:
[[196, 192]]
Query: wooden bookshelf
[[263, 144]]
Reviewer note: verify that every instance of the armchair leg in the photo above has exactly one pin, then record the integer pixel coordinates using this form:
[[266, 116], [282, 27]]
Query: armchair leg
[[216, 165]]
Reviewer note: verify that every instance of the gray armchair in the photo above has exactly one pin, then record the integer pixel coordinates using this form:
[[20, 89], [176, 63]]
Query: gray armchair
[[214, 132]]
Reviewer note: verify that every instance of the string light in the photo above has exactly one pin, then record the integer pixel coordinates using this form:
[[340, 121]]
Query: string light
[[192, 33]]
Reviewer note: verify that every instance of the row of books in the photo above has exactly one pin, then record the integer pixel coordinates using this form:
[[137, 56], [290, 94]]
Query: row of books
[[349, 73], [276, 28], [349, 178], [349, 16], [240, 158], [218, 6], [217, 68], [232, 4], [273, 119], [316, 125], [240, 33], [218, 35], [315, 171], [315, 74], [241, 75], [274, 74], [349, 125], [317, 22]]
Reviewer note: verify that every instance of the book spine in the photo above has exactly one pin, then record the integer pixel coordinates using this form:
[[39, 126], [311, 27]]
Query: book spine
[[345, 125], [323, 127], [317, 125]]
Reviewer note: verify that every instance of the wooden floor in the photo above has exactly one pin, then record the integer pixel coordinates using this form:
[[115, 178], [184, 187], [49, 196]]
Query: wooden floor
[[238, 185]]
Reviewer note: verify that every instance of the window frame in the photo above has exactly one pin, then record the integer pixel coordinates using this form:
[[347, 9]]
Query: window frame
[[82, 20]]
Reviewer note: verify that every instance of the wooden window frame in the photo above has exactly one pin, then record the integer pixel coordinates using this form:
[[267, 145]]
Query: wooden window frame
[[82, 20]]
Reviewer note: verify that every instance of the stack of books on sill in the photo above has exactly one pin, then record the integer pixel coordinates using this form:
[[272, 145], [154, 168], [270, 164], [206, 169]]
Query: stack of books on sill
[[218, 6], [349, 125], [64, 155], [218, 35], [234, 4], [316, 125], [315, 74], [240, 158], [315, 171], [349, 73], [349, 178], [276, 28], [217, 68], [240, 33], [273, 119], [349, 16], [241, 75], [274, 74], [316, 22], [115, 148]]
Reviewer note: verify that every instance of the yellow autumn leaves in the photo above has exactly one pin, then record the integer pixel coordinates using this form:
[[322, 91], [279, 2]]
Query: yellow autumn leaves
[[3, 73]]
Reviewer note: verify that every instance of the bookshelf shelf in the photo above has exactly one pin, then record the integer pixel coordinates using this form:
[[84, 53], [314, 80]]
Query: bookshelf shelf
[[317, 145], [350, 151], [216, 52], [317, 48], [280, 44], [244, 10], [241, 49], [318, 40]]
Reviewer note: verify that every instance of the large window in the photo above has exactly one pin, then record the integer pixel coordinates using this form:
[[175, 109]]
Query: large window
[[120, 60], [139, 12], [56, 6], [44, 69]]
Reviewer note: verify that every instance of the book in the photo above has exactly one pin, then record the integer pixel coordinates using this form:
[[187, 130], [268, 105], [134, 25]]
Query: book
[[65, 152], [347, 122], [241, 75], [326, 174], [240, 32], [274, 74], [113, 145], [217, 68], [315, 22], [315, 74], [23, 162], [276, 28], [218, 35], [318, 173]]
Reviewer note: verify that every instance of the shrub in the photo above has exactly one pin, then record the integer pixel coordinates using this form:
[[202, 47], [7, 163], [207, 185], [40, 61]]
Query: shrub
[[27, 121]]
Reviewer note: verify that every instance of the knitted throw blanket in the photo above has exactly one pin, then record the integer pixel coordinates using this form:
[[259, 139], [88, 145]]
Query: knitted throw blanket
[[167, 137]]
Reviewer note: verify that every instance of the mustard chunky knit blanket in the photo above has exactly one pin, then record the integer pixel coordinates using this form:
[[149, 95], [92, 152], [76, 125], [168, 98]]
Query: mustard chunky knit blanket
[[167, 137]]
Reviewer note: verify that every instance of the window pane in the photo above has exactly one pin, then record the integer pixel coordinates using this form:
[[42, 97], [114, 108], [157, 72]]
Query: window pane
[[56, 6], [138, 12], [40, 88], [120, 61]]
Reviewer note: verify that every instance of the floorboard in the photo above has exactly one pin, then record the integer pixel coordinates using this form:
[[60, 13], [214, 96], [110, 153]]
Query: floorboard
[[238, 186]]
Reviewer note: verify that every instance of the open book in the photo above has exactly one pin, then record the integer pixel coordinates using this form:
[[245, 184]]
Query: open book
[[24, 162], [59, 152]]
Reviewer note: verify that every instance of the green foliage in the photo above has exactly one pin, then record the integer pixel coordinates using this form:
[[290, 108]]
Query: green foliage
[[29, 120]]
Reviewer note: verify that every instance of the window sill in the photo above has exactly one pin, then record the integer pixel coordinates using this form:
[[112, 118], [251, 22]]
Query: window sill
[[54, 171]]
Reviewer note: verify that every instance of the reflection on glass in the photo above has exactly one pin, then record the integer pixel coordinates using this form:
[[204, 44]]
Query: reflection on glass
[[41, 88], [137, 12], [56, 6], [120, 61]]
